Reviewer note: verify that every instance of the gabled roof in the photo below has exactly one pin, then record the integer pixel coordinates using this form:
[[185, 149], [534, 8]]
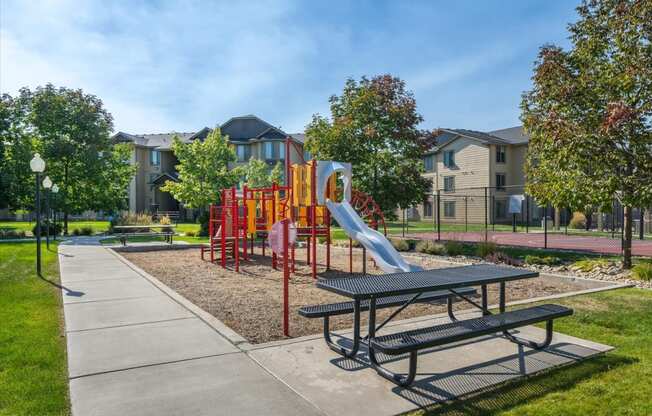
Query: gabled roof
[[240, 129], [165, 176], [513, 135]]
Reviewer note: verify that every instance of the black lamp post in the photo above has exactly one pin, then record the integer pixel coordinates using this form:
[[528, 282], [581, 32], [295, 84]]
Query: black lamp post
[[55, 191], [37, 165], [47, 185]]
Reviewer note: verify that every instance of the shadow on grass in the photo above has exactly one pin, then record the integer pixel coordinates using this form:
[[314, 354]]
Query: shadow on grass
[[524, 390]]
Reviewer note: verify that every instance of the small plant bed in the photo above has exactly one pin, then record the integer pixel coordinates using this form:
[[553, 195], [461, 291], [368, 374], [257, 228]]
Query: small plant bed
[[250, 302]]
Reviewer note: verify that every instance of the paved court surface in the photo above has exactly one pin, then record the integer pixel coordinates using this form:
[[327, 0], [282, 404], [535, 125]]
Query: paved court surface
[[602, 245], [133, 350]]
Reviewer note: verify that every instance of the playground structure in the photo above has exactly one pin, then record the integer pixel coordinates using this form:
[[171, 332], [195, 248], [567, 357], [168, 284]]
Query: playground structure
[[282, 215]]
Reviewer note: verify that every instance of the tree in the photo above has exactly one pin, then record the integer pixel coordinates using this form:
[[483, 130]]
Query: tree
[[16, 150], [589, 113], [373, 126], [203, 170], [71, 131], [258, 175]]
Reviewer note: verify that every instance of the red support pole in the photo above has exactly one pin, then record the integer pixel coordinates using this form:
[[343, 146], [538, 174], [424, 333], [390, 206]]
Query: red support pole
[[327, 224], [313, 203], [273, 220], [235, 229], [211, 233], [223, 230], [286, 280], [245, 215], [350, 256]]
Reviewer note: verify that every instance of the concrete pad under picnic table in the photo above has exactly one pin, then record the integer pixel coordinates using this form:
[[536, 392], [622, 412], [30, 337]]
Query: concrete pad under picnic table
[[111, 289], [96, 315], [339, 386], [230, 384]]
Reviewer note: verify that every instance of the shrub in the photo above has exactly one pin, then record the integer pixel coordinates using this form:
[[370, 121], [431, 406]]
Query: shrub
[[486, 248], [9, 233], [589, 264], [203, 223], [642, 271], [430, 247], [454, 248], [400, 245], [165, 220], [500, 257], [191, 233], [130, 219], [55, 228], [87, 230], [578, 222], [543, 260]]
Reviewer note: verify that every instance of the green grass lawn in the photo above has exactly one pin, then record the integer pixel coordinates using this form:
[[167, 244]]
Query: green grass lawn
[[33, 375], [616, 383], [98, 226]]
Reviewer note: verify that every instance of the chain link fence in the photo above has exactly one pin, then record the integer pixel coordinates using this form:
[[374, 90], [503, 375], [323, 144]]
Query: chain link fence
[[509, 216]]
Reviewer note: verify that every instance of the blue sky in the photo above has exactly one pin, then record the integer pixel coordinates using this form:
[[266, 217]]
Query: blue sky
[[178, 66]]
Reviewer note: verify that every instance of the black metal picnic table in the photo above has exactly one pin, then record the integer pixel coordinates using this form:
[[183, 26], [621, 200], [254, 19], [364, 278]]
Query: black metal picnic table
[[374, 287]]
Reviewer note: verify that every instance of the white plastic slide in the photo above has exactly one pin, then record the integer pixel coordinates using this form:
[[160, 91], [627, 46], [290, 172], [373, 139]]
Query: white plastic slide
[[386, 256]]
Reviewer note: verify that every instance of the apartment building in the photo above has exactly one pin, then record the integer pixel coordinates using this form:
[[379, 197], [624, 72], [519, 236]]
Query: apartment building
[[249, 135], [475, 172]]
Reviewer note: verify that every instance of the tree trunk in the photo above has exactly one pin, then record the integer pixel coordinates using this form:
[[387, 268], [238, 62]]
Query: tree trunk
[[557, 218], [627, 237]]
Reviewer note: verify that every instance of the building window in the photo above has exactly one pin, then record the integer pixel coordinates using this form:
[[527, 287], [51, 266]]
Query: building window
[[501, 152], [427, 164], [449, 158], [154, 158], [427, 209], [449, 209], [241, 151], [306, 155], [500, 181], [269, 150], [501, 209], [449, 183], [281, 151]]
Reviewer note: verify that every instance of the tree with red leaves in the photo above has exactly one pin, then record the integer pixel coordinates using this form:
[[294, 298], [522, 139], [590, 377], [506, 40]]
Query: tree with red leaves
[[589, 113]]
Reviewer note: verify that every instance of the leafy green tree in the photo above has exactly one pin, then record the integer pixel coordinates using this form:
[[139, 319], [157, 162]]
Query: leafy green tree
[[16, 150], [589, 113], [258, 174], [71, 130], [373, 125], [203, 170]]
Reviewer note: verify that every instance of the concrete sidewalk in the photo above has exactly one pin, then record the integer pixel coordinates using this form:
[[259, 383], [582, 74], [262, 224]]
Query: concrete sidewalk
[[132, 350], [135, 347]]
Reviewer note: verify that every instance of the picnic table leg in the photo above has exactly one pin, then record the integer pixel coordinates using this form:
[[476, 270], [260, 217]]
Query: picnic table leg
[[485, 301], [521, 341], [349, 353], [398, 379]]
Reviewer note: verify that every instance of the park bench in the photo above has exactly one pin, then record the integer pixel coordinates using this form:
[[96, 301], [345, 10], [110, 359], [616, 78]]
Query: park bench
[[128, 231], [369, 293]]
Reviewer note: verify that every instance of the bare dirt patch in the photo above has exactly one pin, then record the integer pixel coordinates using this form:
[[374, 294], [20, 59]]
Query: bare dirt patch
[[250, 302]]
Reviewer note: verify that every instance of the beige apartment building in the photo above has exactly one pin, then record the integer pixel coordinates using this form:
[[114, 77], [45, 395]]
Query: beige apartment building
[[475, 172], [152, 154]]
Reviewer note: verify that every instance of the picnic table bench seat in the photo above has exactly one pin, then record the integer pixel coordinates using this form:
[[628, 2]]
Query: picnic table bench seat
[[343, 308], [417, 339]]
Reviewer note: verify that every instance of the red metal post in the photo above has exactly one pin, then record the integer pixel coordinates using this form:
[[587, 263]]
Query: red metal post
[[313, 203], [223, 230], [286, 279], [211, 233], [274, 190], [245, 215], [327, 224], [235, 228]]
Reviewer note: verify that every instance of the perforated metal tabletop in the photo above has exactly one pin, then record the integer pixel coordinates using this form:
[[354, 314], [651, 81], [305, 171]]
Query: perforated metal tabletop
[[414, 282]]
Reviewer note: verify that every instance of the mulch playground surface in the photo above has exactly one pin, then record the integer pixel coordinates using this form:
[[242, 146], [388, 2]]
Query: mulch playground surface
[[250, 302], [600, 245]]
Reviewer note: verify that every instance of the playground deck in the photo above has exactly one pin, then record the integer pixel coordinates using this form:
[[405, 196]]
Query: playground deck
[[600, 245]]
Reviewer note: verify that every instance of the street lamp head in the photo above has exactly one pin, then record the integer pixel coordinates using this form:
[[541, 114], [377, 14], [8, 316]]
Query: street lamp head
[[47, 182], [55, 188], [37, 165]]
